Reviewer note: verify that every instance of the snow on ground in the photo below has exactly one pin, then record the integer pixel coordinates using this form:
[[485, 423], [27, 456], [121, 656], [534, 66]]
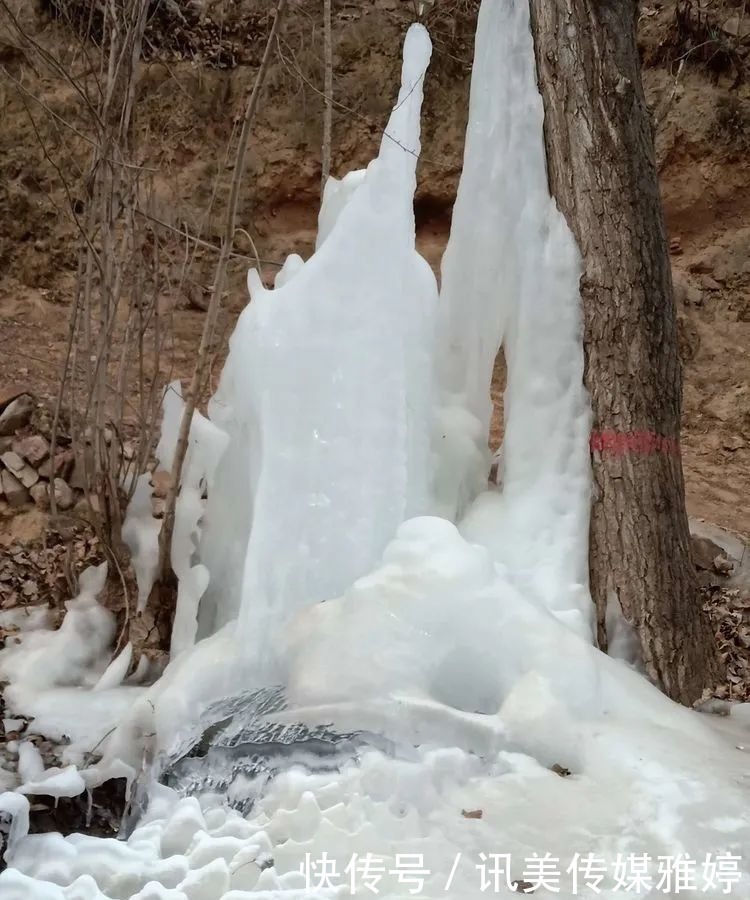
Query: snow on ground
[[516, 751], [63, 678], [425, 823]]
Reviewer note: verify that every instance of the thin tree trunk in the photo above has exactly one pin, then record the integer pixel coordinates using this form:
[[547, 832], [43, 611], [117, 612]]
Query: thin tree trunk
[[602, 172], [328, 94], [209, 325]]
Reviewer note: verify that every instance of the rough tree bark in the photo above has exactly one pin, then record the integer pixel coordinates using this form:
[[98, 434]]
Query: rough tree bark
[[602, 172]]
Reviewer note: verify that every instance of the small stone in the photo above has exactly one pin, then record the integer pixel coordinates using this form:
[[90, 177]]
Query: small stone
[[736, 26], [705, 552], [15, 493], [63, 494], [160, 481], [685, 292], [25, 473], [722, 565], [702, 266], [709, 283], [28, 477], [40, 495], [16, 414], [12, 461], [34, 449]]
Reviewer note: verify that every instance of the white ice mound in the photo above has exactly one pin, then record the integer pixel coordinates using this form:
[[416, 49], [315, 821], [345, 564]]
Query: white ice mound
[[436, 645], [327, 399]]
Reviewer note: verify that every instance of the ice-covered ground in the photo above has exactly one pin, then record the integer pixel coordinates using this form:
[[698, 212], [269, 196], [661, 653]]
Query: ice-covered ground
[[350, 557]]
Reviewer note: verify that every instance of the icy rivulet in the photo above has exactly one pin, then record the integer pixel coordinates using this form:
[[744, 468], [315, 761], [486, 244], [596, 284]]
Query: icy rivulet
[[350, 402]]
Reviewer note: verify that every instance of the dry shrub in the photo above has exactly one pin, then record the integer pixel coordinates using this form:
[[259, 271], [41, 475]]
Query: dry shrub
[[696, 36]]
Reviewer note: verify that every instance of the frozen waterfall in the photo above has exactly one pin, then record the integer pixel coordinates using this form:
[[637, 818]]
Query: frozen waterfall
[[392, 659]]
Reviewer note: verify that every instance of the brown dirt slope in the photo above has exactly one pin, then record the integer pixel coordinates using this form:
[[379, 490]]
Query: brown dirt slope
[[196, 77]]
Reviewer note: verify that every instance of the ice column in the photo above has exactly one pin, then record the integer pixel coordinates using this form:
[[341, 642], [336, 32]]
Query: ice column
[[327, 398], [510, 275]]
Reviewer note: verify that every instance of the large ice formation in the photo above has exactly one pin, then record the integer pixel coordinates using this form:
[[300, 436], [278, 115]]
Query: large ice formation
[[510, 275], [327, 398], [360, 575]]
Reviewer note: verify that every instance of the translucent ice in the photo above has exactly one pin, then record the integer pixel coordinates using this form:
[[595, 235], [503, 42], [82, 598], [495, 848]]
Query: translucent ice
[[510, 275], [327, 399]]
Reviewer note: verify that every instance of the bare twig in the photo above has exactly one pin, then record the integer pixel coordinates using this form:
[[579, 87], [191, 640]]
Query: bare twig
[[666, 103], [296, 70], [196, 383], [194, 239], [328, 98]]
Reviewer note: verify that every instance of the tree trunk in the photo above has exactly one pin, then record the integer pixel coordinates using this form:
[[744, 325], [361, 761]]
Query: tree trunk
[[602, 172]]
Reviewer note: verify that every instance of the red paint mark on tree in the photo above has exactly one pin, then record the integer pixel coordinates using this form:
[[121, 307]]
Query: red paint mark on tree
[[643, 443]]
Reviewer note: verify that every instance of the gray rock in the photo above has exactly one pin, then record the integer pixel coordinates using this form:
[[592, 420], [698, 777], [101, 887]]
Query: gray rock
[[686, 293], [63, 494], [736, 26], [16, 414], [15, 493], [705, 552], [34, 449], [722, 565], [709, 283], [28, 476], [11, 460], [40, 495], [25, 473]]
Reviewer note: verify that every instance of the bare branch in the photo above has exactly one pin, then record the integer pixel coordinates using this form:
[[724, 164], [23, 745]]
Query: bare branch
[[328, 98], [197, 381]]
